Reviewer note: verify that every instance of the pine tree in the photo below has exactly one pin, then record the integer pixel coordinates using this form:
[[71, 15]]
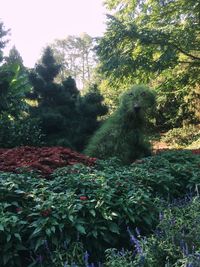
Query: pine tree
[[14, 57], [3, 42], [91, 109], [55, 102]]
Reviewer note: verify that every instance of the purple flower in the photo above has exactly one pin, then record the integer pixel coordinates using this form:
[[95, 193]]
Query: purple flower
[[39, 259], [161, 216], [137, 231], [86, 258], [184, 247], [134, 241]]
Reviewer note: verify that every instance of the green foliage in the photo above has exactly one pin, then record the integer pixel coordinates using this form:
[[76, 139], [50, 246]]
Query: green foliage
[[67, 119], [122, 135], [14, 84], [115, 258], [182, 137], [162, 34], [194, 144], [178, 98], [56, 103], [90, 108], [14, 57], [15, 126], [155, 42], [77, 58], [22, 132], [3, 33], [88, 209], [175, 242]]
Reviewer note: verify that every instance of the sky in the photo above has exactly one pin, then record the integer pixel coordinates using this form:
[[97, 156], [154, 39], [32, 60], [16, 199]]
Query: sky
[[35, 23]]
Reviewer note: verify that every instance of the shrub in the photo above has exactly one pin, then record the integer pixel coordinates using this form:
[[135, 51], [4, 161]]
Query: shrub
[[182, 136], [19, 132], [87, 208], [175, 241]]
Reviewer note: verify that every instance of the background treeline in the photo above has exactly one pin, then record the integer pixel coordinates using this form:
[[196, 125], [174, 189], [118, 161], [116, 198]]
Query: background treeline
[[150, 42]]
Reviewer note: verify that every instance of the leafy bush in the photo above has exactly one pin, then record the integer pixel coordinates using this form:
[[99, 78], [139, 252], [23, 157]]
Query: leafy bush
[[182, 136], [175, 241], [195, 144], [19, 132], [87, 208]]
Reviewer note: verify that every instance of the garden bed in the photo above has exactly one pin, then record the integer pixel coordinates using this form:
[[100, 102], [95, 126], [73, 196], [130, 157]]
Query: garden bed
[[42, 159]]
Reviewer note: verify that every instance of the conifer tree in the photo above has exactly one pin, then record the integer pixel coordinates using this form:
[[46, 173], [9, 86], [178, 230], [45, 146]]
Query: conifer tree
[[14, 57], [91, 109], [55, 102]]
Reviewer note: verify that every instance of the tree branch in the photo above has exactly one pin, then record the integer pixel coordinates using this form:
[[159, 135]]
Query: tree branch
[[186, 53]]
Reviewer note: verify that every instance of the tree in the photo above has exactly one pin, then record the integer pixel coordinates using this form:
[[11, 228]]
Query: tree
[[91, 109], [13, 88], [76, 56], [155, 42], [3, 42], [15, 126], [13, 84], [55, 102], [14, 57], [166, 32]]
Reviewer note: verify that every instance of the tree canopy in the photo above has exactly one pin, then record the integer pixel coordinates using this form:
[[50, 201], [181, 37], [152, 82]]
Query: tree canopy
[[155, 42], [150, 36], [76, 56]]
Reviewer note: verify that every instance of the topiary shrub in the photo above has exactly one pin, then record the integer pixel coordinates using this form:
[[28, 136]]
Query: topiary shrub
[[122, 135]]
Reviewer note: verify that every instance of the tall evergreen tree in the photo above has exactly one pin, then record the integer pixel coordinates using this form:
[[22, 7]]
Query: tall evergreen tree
[[55, 102], [3, 33], [14, 57]]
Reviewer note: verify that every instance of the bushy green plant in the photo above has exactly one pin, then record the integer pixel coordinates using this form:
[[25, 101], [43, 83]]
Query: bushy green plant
[[20, 132], [182, 137], [14, 85], [176, 240], [90, 108], [195, 144], [122, 135], [115, 258], [85, 208]]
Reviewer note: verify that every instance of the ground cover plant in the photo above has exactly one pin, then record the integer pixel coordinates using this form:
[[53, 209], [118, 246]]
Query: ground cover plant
[[85, 210], [175, 242]]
